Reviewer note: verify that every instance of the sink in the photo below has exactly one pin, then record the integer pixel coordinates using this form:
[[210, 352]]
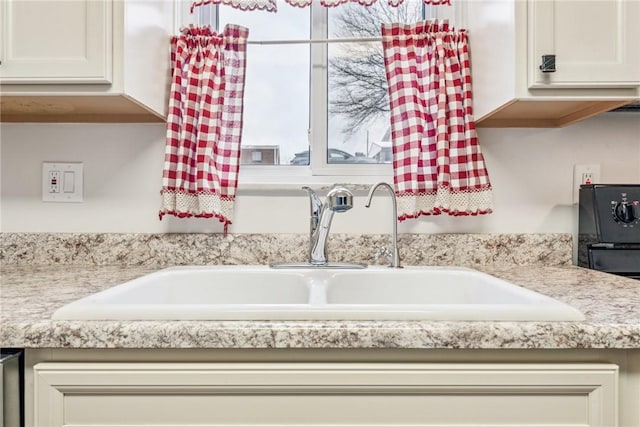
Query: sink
[[420, 287], [262, 293]]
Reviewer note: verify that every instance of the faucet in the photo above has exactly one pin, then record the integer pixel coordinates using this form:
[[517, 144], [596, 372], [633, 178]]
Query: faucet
[[395, 255], [339, 199]]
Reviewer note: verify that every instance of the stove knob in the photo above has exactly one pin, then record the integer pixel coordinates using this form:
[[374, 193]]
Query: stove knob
[[627, 212]]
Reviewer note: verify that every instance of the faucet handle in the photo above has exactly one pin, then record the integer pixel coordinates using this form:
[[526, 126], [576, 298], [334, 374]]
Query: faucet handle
[[315, 206], [315, 200]]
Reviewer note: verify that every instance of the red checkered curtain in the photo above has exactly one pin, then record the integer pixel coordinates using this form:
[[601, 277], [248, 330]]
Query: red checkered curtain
[[437, 162], [204, 125]]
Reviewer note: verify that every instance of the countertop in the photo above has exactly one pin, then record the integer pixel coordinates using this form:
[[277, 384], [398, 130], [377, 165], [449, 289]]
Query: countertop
[[30, 294]]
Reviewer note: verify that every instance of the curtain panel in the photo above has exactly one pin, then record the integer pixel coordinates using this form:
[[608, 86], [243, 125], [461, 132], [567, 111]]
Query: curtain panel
[[204, 124], [437, 162]]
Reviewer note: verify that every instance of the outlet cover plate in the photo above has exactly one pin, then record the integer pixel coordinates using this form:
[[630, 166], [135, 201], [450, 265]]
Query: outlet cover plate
[[579, 172], [69, 183]]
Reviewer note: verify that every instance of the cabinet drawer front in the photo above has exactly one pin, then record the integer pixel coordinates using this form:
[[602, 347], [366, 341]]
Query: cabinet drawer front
[[595, 43], [68, 41], [348, 394]]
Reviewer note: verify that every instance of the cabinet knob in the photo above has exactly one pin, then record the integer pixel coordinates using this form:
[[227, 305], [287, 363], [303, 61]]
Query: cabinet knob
[[548, 64]]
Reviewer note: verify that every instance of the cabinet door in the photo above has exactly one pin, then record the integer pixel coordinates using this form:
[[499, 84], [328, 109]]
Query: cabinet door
[[66, 41], [595, 43], [325, 394]]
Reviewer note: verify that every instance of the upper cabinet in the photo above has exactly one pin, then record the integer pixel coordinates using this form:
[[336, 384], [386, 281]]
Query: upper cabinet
[[595, 43], [549, 63], [84, 60], [108, 60], [56, 42]]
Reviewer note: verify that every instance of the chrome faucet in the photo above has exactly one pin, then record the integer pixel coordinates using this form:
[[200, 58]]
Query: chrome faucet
[[339, 199], [395, 255]]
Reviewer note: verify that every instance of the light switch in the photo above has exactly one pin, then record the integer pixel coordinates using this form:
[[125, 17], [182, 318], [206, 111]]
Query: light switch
[[62, 182], [68, 183]]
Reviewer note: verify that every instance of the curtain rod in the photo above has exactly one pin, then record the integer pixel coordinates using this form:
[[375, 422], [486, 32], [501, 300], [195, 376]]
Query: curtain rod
[[336, 40]]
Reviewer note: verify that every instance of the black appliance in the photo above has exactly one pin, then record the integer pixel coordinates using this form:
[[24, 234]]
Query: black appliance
[[609, 228]]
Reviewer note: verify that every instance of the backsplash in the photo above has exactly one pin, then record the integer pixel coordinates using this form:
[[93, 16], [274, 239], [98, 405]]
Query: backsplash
[[123, 175], [205, 249]]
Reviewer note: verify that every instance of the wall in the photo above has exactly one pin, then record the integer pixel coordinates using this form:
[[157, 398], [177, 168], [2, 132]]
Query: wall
[[531, 171]]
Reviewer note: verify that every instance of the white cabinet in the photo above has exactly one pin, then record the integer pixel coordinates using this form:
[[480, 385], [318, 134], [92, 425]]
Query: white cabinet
[[85, 60], [56, 41], [313, 394], [595, 43], [596, 56]]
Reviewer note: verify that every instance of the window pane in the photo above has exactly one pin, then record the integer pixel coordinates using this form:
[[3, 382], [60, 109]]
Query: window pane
[[359, 122], [276, 97]]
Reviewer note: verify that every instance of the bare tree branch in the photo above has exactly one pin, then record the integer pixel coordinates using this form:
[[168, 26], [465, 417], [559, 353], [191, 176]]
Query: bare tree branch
[[356, 72]]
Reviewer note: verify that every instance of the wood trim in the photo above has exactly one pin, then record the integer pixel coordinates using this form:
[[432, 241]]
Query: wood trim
[[545, 114], [81, 118], [75, 109], [590, 110]]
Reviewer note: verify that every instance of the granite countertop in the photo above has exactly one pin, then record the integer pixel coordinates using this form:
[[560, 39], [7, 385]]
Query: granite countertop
[[30, 294]]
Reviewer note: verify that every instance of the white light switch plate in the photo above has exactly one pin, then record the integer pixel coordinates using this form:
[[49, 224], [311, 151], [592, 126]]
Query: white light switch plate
[[62, 182]]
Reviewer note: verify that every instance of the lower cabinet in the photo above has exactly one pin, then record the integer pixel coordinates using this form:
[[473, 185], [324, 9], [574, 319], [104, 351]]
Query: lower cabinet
[[325, 394]]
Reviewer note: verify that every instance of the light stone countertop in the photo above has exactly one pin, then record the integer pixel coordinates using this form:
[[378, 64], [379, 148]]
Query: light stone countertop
[[156, 250], [30, 294]]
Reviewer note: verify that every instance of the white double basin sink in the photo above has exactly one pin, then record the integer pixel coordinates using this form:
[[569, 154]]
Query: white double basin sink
[[263, 293]]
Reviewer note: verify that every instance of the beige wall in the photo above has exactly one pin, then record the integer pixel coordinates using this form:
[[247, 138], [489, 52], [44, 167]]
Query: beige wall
[[531, 171]]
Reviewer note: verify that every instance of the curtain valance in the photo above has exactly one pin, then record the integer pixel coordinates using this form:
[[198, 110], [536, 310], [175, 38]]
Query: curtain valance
[[270, 5]]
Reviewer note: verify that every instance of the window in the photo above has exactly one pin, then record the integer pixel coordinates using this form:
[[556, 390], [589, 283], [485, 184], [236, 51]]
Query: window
[[316, 97]]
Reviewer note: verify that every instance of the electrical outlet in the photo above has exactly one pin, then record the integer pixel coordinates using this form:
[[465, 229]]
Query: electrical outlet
[[54, 181], [584, 174]]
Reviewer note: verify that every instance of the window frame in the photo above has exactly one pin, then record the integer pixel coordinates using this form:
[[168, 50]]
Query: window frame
[[319, 171]]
